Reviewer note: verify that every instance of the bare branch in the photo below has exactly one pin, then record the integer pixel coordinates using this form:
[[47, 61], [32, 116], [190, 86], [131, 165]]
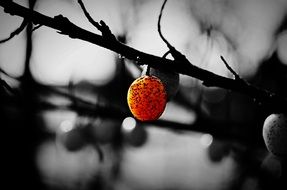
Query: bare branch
[[175, 53], [15, 32], [159, 26], [90, 19], [36, 27], [106, 32], [166, 54], [219, 129], [181, 65]]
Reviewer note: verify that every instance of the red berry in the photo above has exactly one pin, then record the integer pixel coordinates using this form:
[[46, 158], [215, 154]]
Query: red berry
[[168, 78], [147, 98]]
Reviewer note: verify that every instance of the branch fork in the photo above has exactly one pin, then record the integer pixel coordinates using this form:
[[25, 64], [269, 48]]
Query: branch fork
[[180, 64]]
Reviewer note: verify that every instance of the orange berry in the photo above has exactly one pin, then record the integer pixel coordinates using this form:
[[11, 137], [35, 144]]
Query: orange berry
[[147, 98], [168, 78]]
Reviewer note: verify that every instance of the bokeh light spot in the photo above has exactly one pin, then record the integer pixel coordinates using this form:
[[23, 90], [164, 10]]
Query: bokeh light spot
[[66, 125], [129, 124], [206, 140]]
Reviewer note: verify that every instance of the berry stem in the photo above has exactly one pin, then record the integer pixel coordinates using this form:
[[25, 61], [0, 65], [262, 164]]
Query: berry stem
[[148, 70]]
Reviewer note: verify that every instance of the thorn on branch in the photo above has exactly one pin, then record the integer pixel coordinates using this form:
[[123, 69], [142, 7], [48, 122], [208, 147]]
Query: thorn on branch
[[16, 32]]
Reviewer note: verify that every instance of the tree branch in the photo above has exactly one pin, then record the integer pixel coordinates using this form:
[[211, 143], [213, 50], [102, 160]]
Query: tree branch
[[90, 19], [15, 32], [219, 129], [180, 65]]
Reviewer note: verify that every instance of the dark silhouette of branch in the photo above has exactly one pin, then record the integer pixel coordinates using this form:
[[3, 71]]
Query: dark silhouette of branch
[[237, 77], [272, 102], [159, 26], [219, 129], [36, 27], [15, 32], [179, 57], [106, 32], [90, 19]]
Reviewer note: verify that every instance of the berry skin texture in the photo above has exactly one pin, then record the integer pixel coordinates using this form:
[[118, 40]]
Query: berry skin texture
[[275, 134], [169, 79], [147, 98]]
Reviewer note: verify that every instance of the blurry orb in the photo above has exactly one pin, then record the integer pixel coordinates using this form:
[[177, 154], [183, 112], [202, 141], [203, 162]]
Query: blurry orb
[[206, 140], [217, 151], [250, 183], [135, 137], [147, 98], [104, 130], [73, 140], [66, 125], [275, 134], [129, 124], [282, 47], [271, 166], [59, 167], [53, 119]]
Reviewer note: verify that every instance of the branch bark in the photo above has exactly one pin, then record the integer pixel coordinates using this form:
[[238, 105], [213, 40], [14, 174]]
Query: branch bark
[[271, 101]]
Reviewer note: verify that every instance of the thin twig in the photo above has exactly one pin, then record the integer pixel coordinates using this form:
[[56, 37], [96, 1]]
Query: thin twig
[[88, 16], [219, 129], [5, 73], [237, 77], [180, 64], [106, 32], [166, 54], [15, 32], [159, 25], [174, 52]]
